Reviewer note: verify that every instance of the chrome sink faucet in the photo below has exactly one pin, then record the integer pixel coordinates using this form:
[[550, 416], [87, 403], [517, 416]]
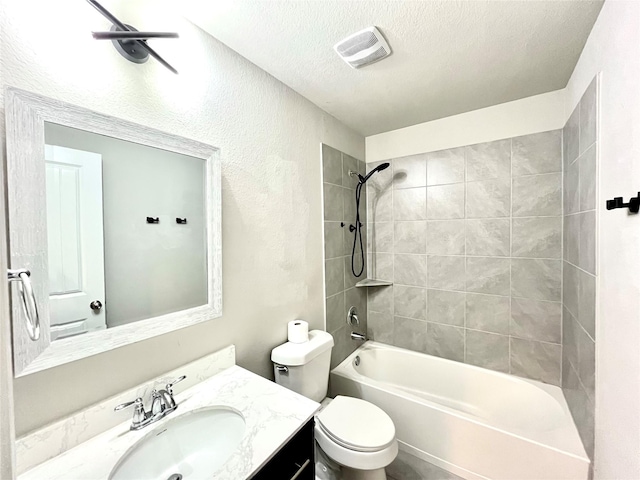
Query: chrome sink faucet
[[162, 404]]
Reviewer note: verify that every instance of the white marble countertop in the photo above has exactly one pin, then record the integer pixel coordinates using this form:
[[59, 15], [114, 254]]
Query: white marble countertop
[[272, 414]]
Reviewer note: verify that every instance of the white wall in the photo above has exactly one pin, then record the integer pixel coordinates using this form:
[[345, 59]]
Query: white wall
[[271, 178], [539, 113], [613, 49], [149, 270]]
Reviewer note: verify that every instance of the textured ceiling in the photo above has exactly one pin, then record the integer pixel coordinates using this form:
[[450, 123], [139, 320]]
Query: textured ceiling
[[448, 56]]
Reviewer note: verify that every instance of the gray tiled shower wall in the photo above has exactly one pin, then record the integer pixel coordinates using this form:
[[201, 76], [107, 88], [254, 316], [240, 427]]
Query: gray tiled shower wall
[[340, 207], [472, 239], [579, 267]]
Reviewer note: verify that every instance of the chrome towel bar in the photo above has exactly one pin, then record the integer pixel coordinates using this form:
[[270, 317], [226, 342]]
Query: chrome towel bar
[[29, 305]]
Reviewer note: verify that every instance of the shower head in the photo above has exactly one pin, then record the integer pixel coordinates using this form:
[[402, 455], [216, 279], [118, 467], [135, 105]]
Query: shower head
[[379, 168]]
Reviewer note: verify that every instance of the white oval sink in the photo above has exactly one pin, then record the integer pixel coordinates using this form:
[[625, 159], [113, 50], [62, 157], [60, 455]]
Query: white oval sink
[[190, 446]]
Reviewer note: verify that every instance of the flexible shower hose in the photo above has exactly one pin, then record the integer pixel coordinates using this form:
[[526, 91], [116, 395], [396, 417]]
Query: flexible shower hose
[[358, 235]]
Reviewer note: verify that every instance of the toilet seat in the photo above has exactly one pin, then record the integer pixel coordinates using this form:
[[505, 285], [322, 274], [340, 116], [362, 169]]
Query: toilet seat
[[357, 424], [352, 458], [356, 434]]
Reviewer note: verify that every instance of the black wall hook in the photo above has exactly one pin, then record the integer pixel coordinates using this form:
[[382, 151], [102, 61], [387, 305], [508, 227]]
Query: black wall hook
[[181, 221], [153, 220], [633, 205]]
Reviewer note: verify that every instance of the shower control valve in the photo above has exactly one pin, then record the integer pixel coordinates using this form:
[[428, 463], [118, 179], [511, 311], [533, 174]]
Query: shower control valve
[[352, 317]]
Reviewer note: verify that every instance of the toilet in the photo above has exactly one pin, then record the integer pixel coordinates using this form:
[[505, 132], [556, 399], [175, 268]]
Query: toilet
[[355, 434]]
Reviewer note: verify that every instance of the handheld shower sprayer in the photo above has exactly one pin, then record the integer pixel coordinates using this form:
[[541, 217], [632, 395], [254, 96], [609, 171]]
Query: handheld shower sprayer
[[362, 180], [379, 168], [357, 228]]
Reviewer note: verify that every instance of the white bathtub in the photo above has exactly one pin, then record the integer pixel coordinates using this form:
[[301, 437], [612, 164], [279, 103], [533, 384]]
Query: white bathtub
[[473, 422]]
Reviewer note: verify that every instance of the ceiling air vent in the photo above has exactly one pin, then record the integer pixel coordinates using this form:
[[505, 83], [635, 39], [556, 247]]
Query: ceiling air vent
[[363, 48]]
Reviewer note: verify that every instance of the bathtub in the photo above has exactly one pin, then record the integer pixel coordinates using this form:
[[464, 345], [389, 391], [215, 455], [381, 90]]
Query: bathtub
[[473, 422]]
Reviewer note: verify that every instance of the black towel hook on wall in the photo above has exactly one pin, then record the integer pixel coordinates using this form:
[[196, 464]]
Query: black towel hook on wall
[[617, 202]]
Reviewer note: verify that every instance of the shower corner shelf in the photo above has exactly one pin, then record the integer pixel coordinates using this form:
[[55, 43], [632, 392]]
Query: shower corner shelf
[[372, 282]]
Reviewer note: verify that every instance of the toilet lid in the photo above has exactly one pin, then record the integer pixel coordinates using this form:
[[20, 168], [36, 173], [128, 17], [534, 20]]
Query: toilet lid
[[357, 424]]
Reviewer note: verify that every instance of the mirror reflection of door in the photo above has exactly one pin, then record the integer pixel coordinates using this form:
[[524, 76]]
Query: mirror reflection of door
[[75, 241]]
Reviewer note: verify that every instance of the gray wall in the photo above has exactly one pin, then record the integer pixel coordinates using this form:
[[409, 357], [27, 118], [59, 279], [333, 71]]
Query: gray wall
[[340, 290], [142, 261], [471, 238], [579, 254]]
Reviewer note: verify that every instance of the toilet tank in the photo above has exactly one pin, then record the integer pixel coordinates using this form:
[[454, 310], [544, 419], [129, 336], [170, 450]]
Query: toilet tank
[[307, 365]]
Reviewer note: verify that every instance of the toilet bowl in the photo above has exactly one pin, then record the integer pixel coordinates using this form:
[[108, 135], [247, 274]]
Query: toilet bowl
[[355, 434], [358, 436]]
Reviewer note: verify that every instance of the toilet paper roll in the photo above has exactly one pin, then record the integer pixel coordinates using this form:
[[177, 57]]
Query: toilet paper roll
[[298, 331]]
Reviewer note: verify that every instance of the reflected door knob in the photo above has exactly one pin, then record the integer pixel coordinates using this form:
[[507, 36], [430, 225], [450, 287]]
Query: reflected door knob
[[96, 305]]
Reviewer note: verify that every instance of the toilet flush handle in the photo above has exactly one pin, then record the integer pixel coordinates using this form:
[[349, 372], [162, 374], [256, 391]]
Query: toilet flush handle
[[282, 368]]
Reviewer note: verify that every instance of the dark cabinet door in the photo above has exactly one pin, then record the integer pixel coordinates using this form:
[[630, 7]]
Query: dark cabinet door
[[294, 461]]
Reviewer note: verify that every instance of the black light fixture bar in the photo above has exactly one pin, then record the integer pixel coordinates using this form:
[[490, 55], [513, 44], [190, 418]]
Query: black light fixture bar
[[117, 35], [105, 13], [153, 53], [123, 29]]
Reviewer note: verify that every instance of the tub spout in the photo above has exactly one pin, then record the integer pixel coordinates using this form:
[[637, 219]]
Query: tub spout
[[358, 336]]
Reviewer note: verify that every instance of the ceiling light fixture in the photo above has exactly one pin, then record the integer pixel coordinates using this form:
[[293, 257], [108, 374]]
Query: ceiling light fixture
[[131, 43]]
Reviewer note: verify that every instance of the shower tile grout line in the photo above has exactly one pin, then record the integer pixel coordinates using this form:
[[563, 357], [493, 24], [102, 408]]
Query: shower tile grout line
[[562, 266], [511, 250], [448, 219], [506, 335], [465, 176], [465, 256]]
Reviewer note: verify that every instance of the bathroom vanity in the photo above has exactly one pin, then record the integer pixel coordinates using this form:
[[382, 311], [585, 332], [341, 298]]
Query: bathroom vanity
[[295, 460], [268, 433]]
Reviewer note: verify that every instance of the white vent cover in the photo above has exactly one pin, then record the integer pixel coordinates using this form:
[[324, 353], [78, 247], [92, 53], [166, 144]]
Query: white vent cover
[[363, 48]]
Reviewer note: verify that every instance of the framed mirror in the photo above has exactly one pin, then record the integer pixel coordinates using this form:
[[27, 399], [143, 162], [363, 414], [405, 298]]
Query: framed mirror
[[118, 224]]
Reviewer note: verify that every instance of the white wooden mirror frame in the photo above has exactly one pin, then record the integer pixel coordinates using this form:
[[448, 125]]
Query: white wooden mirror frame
[[26, 114]]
